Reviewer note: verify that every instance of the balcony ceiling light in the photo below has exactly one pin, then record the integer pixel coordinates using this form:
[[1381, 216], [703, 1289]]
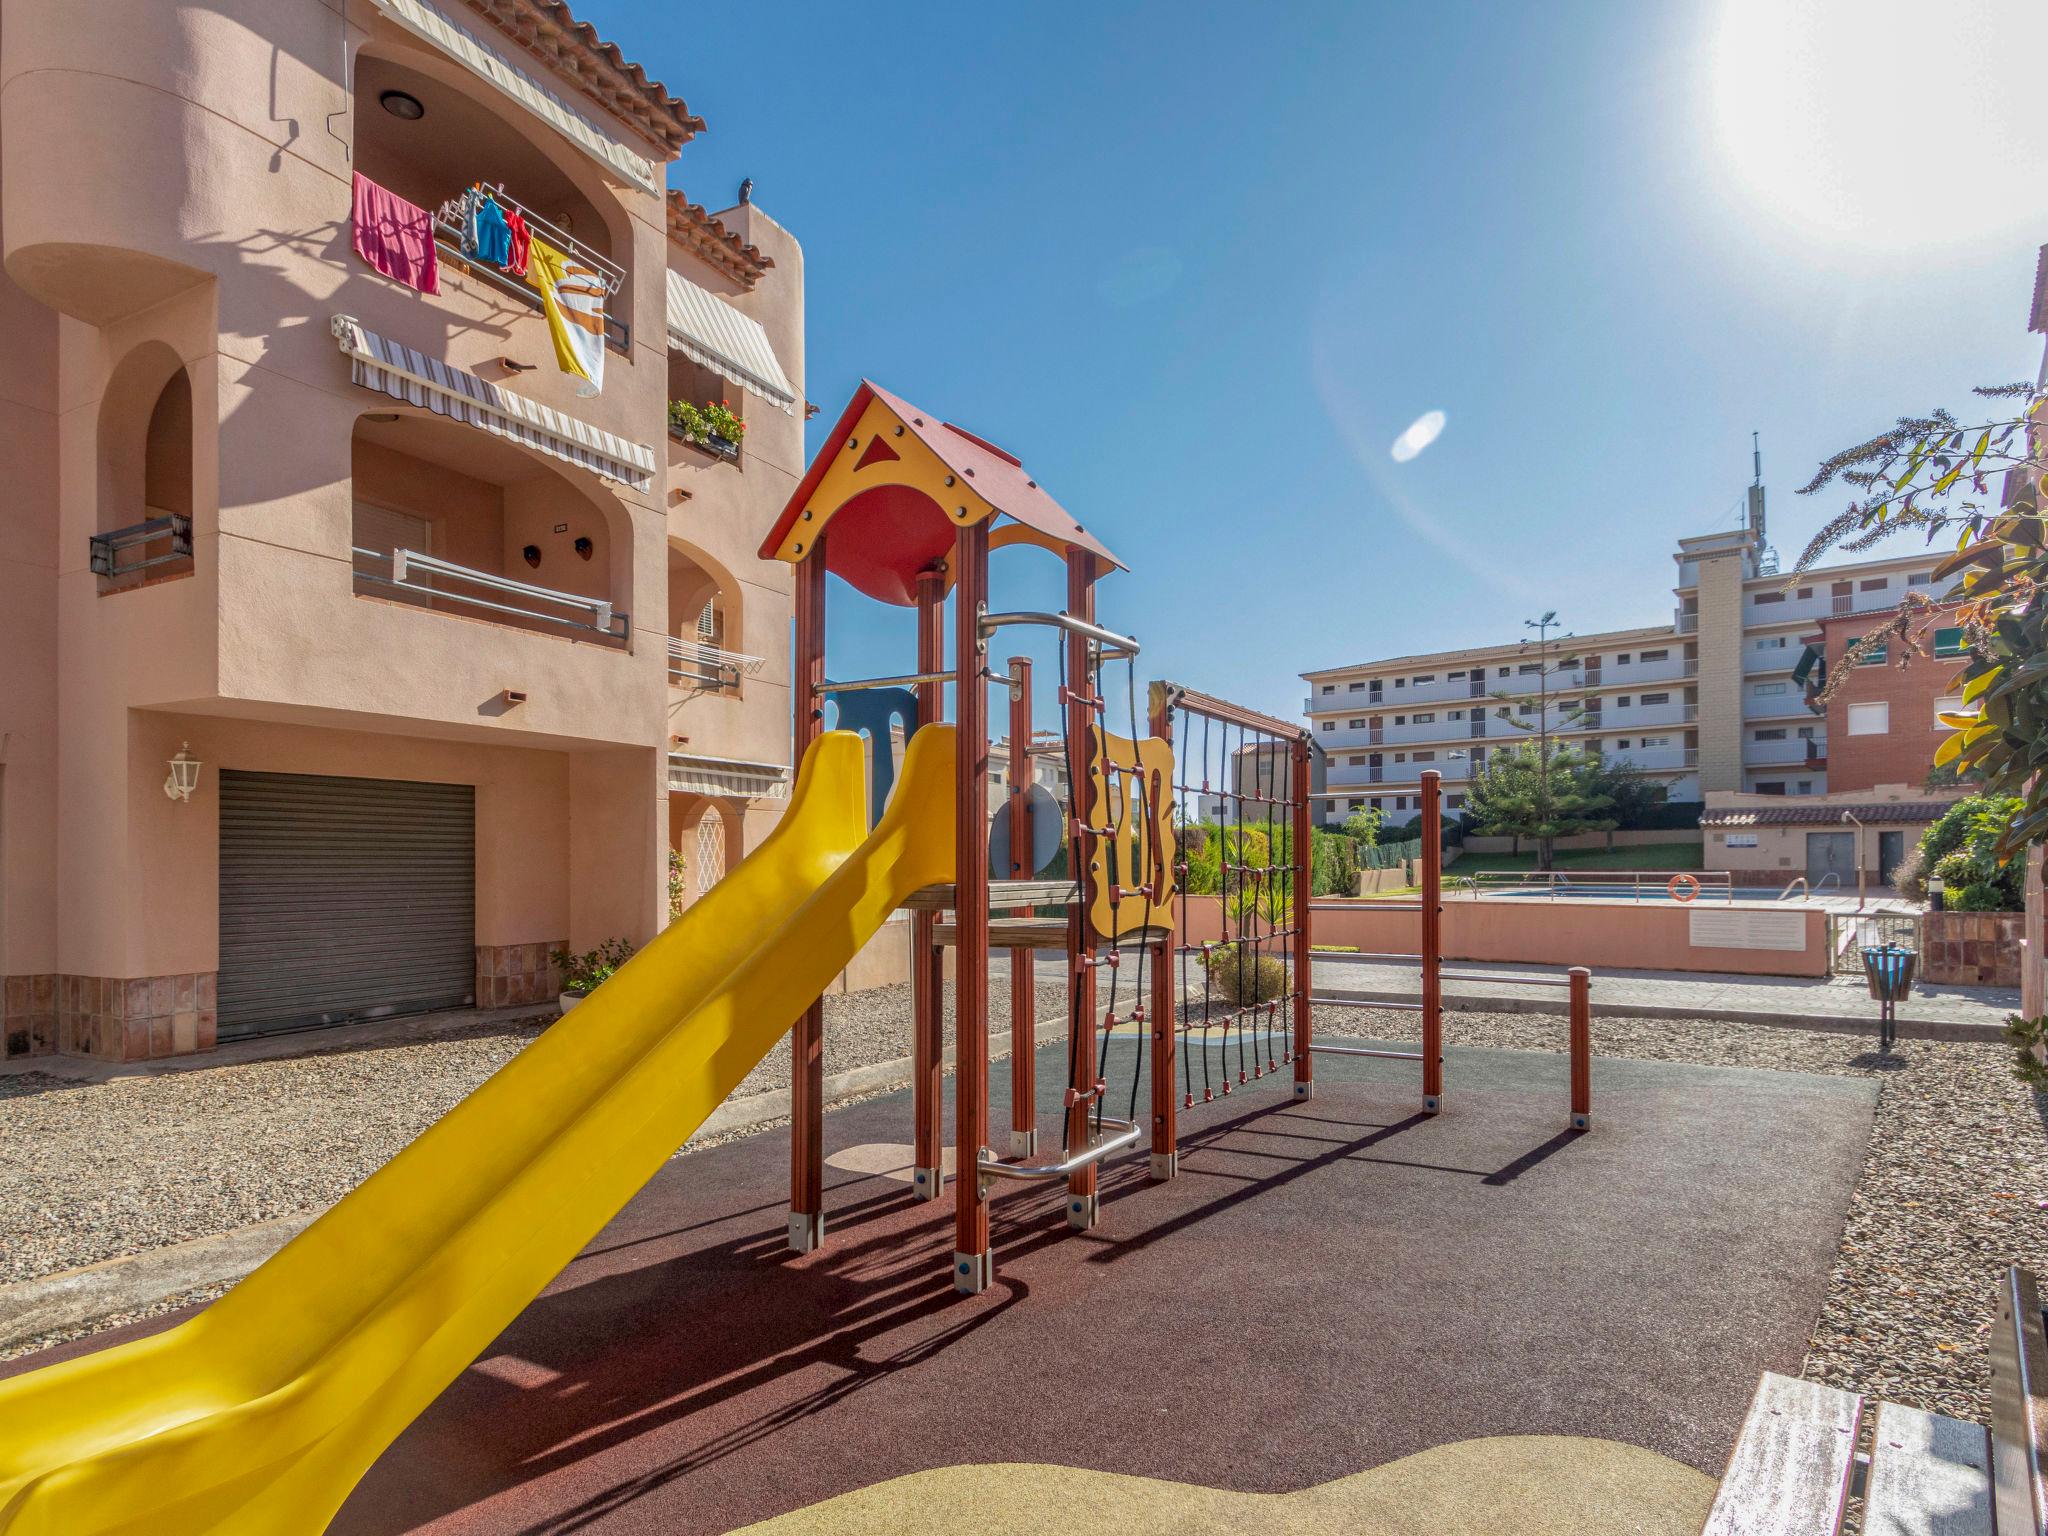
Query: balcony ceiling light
[[403, 105]]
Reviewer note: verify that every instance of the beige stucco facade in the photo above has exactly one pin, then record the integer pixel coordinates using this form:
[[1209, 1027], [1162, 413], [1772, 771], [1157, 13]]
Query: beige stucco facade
[[175, 186]]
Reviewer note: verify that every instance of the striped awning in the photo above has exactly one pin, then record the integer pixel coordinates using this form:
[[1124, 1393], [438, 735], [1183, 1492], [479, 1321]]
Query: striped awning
[[713, 333], [481, 56], [398, 371], [726, 776]]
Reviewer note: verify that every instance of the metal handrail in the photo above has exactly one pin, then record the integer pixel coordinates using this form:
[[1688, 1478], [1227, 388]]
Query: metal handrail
[[1798, 880], [901, 680], [726, 668], [988, 1167], [604, 619], [104, 547], [1822, 883], [1657, 880], [1112, 643]]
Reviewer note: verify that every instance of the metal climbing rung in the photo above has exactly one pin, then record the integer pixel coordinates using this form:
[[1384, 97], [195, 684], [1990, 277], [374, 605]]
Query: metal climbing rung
[[1112, 643], [988, 1167], [1360, 1002], [906, 680], [1359, 1050]]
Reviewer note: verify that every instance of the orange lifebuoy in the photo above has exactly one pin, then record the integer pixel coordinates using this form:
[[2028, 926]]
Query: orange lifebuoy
[[1682, 887]]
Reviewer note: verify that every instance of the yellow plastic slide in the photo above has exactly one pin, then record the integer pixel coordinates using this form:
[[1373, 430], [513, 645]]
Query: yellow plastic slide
[[261, 1413]]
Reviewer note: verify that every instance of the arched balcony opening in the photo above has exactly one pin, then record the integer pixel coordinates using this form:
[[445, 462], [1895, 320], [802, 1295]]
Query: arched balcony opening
[[463, 523], [146, 448], [706, 627], [424, 133]]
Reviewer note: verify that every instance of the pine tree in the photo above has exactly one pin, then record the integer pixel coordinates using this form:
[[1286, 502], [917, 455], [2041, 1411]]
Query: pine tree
[[1543, 791]]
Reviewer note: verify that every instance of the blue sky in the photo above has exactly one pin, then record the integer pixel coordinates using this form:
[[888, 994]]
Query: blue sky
[[1199, 265]]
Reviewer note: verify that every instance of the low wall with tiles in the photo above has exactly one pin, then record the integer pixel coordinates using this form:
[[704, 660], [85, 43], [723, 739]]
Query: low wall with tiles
[[109, 1018], [514, 975], [1971, 949]]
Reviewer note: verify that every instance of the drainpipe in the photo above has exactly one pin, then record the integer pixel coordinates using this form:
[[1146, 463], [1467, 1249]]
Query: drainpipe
[[1850, 817]]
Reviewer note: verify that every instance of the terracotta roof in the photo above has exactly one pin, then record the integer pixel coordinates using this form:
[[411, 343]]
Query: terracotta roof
[[605, 75], [704, 235], [1796, 815]]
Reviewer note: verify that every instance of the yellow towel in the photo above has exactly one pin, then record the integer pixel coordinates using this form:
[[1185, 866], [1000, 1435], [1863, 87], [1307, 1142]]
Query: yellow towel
[[573, 296]]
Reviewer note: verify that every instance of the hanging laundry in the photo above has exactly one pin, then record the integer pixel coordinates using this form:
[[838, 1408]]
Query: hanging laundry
[[395, 237], [573, 295], [522, 238], [493, 234], [471, 201]]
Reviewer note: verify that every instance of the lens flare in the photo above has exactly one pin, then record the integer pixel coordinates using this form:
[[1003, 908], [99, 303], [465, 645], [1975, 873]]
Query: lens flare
[[1422, 431]]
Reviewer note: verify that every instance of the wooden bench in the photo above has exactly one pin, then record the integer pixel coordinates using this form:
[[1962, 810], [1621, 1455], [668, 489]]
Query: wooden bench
[[1797, 1464]]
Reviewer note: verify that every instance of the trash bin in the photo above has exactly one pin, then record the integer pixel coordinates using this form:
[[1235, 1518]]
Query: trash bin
[[1889, 969]]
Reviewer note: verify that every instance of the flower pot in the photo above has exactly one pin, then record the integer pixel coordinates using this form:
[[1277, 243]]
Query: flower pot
[[570, 999]]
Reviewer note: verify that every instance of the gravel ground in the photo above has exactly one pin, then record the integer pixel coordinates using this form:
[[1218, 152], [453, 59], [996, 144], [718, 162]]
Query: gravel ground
[[94, 1171], [1954, 1187]]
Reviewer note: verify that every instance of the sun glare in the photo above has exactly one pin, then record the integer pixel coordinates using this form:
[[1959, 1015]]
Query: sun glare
[[1883, 122], [1422, 431]]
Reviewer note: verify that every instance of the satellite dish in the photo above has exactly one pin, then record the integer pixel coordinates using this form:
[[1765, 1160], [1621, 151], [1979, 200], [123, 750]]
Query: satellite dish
[[1044, 812]]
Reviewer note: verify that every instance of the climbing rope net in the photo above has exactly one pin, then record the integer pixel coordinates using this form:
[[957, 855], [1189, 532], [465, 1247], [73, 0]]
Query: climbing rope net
[[1235, 806]]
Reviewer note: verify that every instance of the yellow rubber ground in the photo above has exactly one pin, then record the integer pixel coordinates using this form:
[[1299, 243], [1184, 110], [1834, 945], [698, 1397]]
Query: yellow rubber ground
[[261, 1413], [1535, 1485]]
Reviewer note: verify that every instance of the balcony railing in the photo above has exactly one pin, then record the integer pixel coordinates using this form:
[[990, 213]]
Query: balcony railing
[[1794, 751], [699, 664], [107, 547], [413, 577], [618, 335]]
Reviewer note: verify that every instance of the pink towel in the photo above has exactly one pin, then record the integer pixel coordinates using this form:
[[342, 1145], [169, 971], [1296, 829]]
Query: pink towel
[[396, 237]]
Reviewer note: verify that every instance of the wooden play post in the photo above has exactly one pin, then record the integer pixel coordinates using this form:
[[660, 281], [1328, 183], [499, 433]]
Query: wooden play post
[[1161, 1004], [1023, 960], [1082, 941], [807, 1039], [927, 960], [971, 1269], [1432, 942], [1304, 887], [1581, 983]]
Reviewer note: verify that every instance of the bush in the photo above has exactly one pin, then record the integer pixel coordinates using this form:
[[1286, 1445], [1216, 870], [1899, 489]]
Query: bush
[[1910, 876], [1974, 898], [1962, 849], [1241, 977], [585, 972]]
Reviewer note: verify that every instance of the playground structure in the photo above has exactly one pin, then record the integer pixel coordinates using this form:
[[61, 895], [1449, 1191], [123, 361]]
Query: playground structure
[[261, 1412], [905, 508]]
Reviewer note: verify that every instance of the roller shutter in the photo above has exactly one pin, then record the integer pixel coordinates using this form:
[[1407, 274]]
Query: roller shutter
[[343, 899]]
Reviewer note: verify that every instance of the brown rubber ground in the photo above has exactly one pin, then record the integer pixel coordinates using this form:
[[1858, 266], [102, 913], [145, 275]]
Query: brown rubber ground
[[1327, 1288]]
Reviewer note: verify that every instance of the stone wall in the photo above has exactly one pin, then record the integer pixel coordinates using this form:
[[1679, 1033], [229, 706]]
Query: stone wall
[[1971, 949]]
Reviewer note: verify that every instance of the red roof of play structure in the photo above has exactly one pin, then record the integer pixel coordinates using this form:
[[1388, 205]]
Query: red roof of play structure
[[885, 560]]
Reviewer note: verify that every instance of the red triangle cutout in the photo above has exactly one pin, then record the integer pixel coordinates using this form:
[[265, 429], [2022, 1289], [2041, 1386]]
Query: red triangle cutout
[[877, 451]]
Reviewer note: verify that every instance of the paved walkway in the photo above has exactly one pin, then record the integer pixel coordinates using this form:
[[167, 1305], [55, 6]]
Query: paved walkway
[[1932, 1013]]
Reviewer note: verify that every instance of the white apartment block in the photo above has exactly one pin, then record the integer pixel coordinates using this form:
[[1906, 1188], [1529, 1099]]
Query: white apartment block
[[1705, 701]]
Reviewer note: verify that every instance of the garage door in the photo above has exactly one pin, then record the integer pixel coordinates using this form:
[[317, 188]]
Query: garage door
[[343, 899]]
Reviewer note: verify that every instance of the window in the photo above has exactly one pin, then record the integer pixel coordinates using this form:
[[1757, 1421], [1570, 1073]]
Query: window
[[1529, 666], [1357, 760], [1456, 801], [1621, 660], [1400, 757], [1425, 757], [1357, 724], [1772, 643], [1952, 705], [1501, 713], [1656, 655], [1400, 719], [1805, 592], [1949, 642], [1400, 682], [1655, 698], [1332, 687], [1354, 688], [1775, 733], [1426, 679], [1455, 714], [1329, 725], [1777, 788], [1765, 690], [1768, 597], [1803, 787], [1875, 657], [1503, 672], [1621, 745], [1401, 802], [1621, 702], [1352, 805], [1804, 733], [1454, 677], [1648, 742], [1426, 718], [1874, 584], [1872, 719], [1376, 803], [1525, 709], [1920, 579]]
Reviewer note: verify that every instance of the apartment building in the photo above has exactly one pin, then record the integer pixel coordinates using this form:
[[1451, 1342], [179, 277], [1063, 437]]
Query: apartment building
[[370, 631], [1719, 697]]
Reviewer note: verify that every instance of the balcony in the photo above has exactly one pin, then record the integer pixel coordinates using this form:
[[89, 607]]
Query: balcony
[[1686, 623], [1793, 750], [448, 224], [702, 667], [123, 557], [1775, 659]]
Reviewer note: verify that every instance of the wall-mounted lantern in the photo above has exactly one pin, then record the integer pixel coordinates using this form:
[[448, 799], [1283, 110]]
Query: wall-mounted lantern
[[532, 554], [184, 774], [585, 548]]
